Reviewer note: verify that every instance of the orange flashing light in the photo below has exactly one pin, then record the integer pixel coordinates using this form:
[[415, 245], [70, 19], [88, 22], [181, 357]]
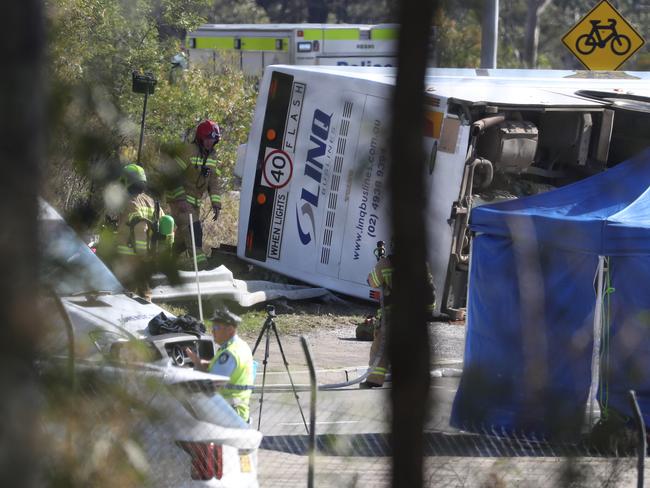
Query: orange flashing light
[[271, 134], [261, 198]]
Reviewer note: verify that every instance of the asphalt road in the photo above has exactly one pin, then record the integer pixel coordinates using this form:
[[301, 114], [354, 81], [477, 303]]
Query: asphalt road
[[345, 411], [352, 427], [352, 424], [353, 445]]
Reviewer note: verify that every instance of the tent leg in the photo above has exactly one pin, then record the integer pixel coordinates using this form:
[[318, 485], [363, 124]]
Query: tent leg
[[595, 356]]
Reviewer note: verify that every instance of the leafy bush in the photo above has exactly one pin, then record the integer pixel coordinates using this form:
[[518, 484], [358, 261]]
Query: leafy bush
[[95, 117]]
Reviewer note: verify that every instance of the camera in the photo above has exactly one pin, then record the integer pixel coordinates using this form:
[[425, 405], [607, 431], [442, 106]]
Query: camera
[[143, 82], [380, 250], [270, 310]]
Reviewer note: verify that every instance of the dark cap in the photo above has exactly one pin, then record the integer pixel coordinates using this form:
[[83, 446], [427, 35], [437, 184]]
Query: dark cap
[[224, 316]]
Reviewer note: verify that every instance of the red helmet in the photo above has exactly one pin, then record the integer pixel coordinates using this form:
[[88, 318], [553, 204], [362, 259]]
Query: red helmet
[[207, 130]]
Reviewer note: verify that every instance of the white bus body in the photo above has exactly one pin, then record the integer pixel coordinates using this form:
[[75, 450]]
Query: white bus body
[[254, 46], [314, 201]]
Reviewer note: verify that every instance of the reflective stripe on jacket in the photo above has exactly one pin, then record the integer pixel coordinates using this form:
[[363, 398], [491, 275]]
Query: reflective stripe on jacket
[[134, 231], [193, 175], [381, 277]]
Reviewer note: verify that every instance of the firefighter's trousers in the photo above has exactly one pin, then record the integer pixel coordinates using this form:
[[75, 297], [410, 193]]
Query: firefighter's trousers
[[379, 351]]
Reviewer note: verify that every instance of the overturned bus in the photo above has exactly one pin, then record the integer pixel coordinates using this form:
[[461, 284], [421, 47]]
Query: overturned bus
[[314, 198]]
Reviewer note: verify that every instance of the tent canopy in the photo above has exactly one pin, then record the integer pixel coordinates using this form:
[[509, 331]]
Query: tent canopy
[[607, 214], [532, 300]]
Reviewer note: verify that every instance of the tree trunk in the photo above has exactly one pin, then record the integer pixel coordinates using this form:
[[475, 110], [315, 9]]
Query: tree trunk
[[22, 127], [535, 9], [408, 341]]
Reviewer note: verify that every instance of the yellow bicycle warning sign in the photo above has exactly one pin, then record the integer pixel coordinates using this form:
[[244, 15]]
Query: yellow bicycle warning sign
[[603, 39]]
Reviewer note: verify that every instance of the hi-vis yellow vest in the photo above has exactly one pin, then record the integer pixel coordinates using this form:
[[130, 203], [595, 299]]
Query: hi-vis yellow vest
[[238, 391]]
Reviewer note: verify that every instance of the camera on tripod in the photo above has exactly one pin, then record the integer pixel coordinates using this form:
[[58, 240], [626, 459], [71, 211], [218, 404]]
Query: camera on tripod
[[269, 328]]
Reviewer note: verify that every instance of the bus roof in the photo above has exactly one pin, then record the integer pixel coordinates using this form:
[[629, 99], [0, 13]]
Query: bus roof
[[509, 86]]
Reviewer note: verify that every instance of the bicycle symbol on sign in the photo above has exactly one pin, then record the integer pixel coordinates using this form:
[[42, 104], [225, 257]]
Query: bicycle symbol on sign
[[619, 43]]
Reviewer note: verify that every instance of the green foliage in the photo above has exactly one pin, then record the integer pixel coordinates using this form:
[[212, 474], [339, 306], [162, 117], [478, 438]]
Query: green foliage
[[458, 32], [182, 14], [241, 12], [175, 109], [95, 117], [95, 44], [457, 36], [512, 21], [225, 97], [362, 12]]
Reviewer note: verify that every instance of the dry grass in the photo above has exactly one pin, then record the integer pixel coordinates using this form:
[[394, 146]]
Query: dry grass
[[224, 230], [295, 317], [299, 317]]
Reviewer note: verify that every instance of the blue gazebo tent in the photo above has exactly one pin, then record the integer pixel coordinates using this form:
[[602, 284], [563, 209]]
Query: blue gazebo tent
[[551, 275]]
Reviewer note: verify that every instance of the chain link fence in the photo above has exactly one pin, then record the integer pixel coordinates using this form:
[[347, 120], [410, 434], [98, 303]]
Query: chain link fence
[[117, 424], [353, 443], [353, 448]]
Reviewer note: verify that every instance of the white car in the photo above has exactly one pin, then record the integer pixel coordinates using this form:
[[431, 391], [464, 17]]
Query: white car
[[191, 436]]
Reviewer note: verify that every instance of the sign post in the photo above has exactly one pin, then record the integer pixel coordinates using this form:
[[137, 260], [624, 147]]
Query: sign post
[[603, 39]]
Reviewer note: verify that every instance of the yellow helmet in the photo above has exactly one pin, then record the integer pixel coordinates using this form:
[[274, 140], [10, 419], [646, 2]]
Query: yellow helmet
[[133, 174]]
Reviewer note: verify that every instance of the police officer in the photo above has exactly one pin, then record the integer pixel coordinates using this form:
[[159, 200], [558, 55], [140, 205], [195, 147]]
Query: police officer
[[193, 172], [233, 359]]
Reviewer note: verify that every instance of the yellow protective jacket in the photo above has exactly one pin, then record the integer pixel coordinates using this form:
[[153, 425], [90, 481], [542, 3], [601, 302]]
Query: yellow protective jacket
[[234, 359], [193, 175], [381, 277], [134, 226]]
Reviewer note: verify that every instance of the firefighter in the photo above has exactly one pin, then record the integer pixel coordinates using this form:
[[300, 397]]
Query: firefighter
[[233, 359], [194, 172], [381, 277], [137, 227]]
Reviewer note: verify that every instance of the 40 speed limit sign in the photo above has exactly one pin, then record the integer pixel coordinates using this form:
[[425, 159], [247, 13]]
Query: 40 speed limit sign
[[278, 169]]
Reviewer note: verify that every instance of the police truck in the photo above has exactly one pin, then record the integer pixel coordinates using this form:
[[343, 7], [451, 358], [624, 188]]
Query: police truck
[[252, 47]]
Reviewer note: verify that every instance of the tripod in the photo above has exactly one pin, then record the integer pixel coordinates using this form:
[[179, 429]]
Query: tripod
[[269, 324]]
